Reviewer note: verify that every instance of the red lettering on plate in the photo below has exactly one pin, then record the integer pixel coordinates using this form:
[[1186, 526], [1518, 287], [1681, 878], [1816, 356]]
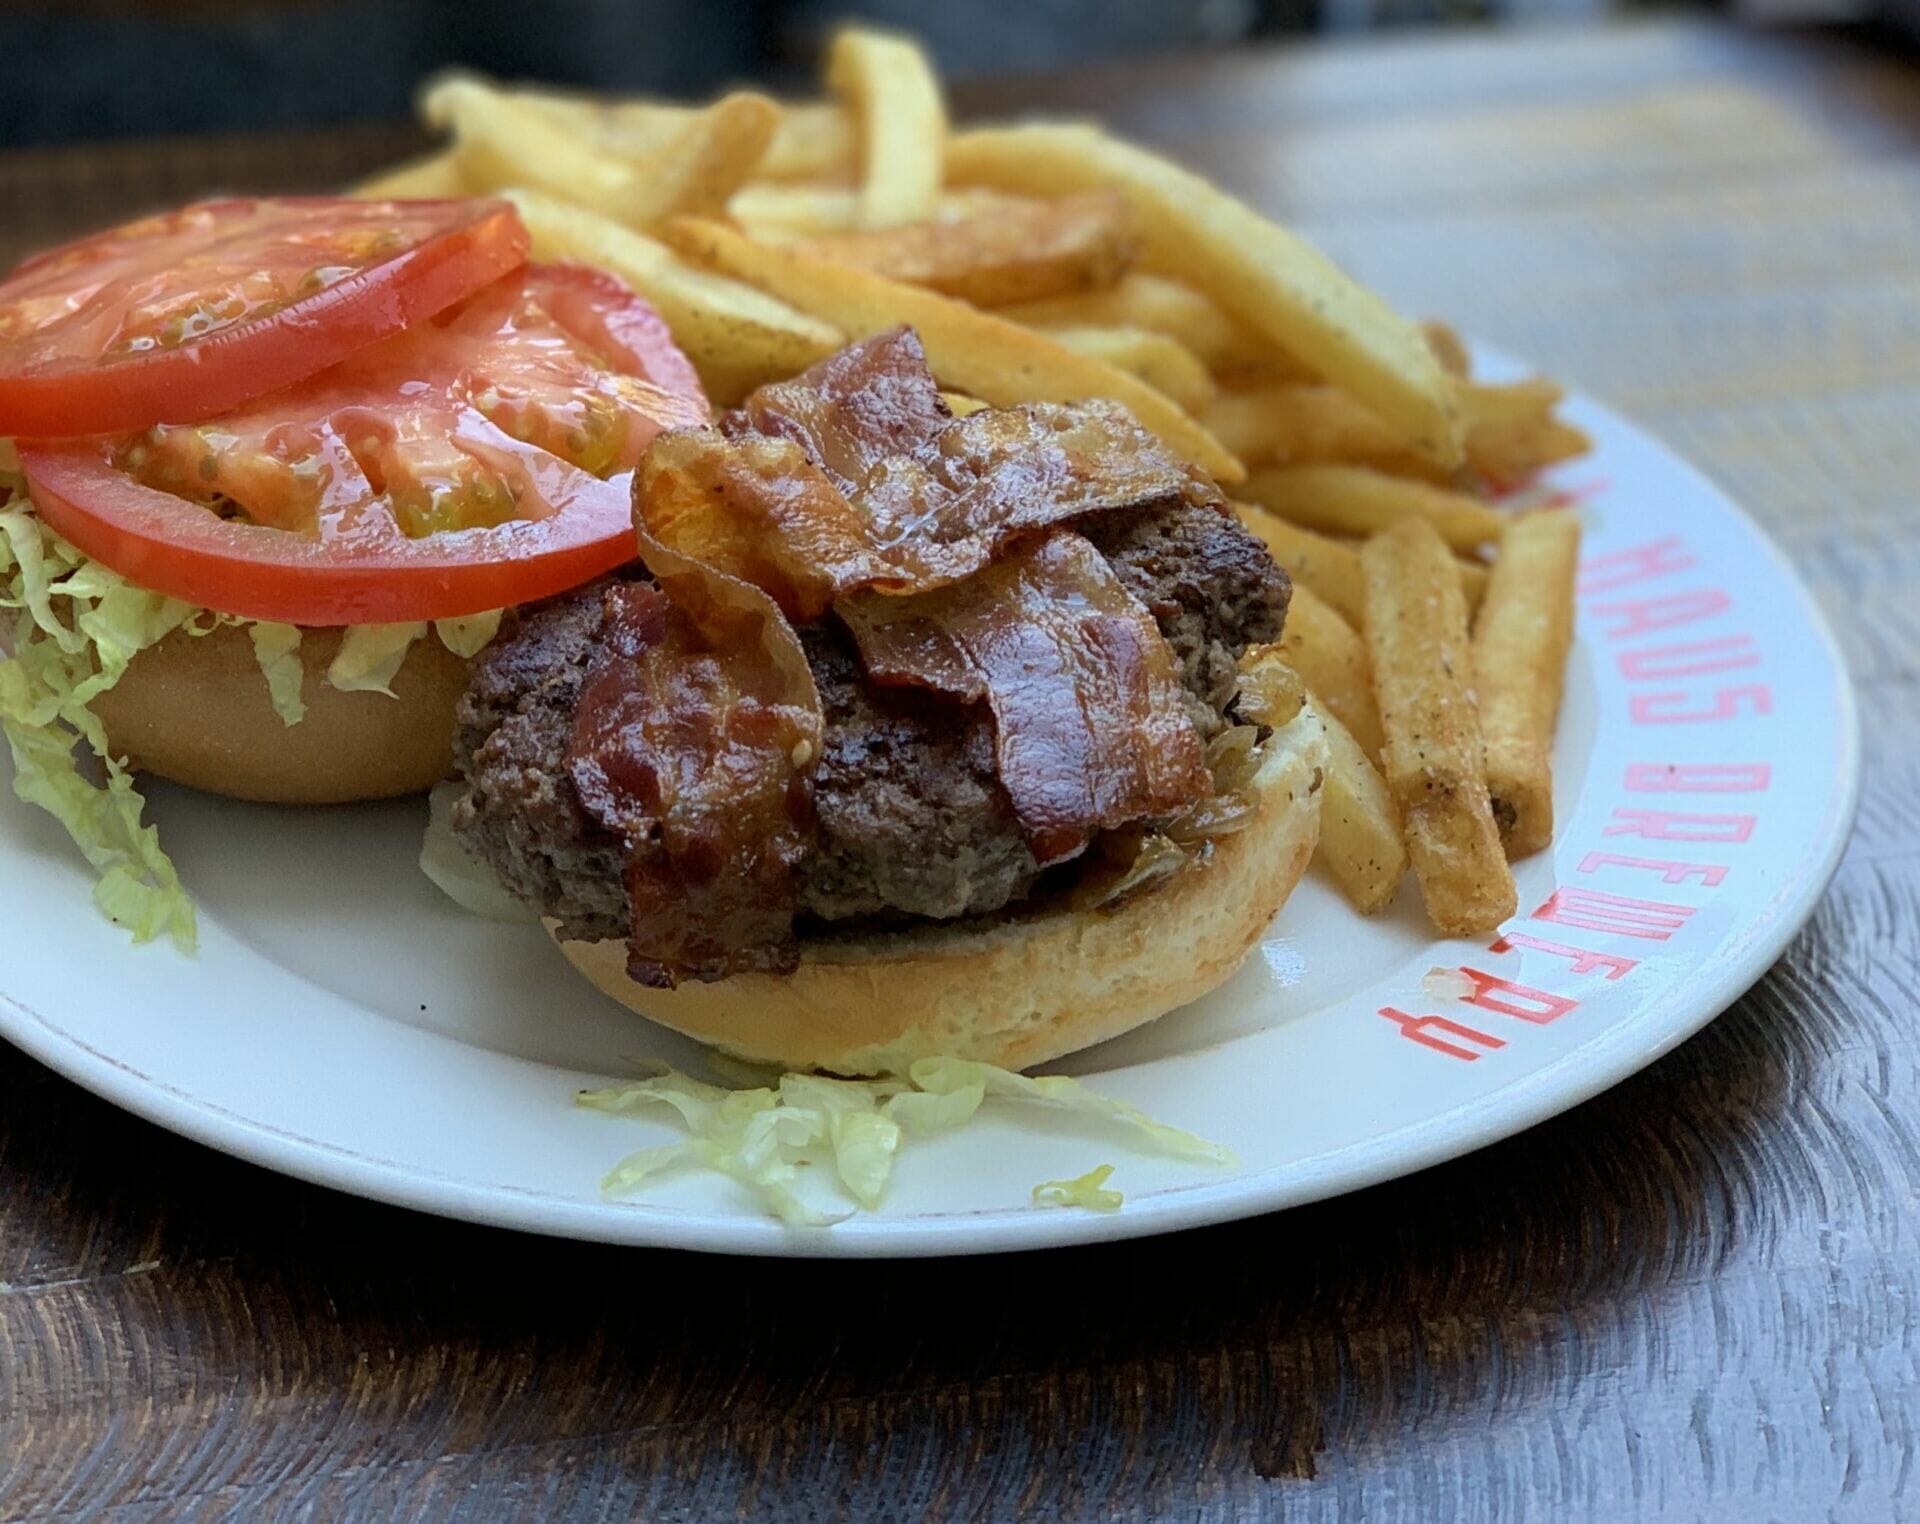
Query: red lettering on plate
[[1492, 993], [1421, 1028], [1676, 825], [1698, 777], [1594, 910], [1642, 616], [1670, 872], [1608, 965], [1603, 574], [1653, 708], [1691, 659]]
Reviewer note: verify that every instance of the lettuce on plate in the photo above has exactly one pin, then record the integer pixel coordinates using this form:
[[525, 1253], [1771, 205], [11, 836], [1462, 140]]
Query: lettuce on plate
[[764, 1135]]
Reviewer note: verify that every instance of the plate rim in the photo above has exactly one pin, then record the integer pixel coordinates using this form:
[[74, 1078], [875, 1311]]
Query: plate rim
[[1558, 1086]]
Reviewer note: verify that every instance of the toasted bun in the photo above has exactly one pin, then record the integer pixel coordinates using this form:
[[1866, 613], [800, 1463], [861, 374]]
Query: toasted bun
[[194, 708], [1014, 991]]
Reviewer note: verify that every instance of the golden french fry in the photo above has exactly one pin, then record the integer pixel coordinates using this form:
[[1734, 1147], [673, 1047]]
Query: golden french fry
[[433, 178], [629, 128], [774, 211], [705, 163], [1520, 645], [1294, 423], [1272, 280], [737, 336], [1506, 452], [961, 405], [1359, 501], [1323, 648], [969, 350], [1434, 761], [1017, 252], [1159, 305], [817, 140], [1506, 402], [890, 88], [1331, 568], [501, 141], [1360, 840], [1165, 364], [1447, 349]]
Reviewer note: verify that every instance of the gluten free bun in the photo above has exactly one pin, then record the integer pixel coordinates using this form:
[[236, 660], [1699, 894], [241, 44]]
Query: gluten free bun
[[1016, 990], [194, 708]]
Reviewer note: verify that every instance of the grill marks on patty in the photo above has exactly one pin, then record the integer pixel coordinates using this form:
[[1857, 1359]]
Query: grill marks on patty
[[912, 818]]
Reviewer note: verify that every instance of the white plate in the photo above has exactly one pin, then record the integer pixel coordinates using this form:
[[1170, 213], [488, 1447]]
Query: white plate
[[345, 1024]]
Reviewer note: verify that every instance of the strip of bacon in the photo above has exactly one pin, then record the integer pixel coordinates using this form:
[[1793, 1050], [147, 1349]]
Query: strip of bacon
[[815, 491], [1090, 728], [692, 741]]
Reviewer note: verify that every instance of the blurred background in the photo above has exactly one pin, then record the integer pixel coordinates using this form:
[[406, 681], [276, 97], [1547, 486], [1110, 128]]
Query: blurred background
[[118, 68]]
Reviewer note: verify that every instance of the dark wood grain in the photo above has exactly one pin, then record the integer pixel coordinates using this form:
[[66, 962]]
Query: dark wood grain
[[1696, 1297]]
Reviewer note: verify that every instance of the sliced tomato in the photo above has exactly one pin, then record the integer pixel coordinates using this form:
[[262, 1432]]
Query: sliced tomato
[[182, 316], [481, 459]]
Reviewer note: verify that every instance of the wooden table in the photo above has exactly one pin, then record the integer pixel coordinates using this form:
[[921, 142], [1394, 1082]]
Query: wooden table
[[1697, 1297]]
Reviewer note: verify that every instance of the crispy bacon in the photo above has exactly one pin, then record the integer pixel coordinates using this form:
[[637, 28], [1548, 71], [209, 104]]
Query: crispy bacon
[[816, 491], [692, 742], [939, 542], [1089, 725]]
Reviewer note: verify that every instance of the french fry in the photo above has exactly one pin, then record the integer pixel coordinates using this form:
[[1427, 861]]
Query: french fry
[[430, 179], [1505, 402], [1447, 349], [1331, 568], [1294, 423], [1360, 840], [776, 212], [817, 140], [1507, 451], [1270, 279], [632, 128], [705, 162], [1358, 501], [737, 336], [1520, 644], [1020, 251], [500, 141], [1323, 648], [969, 350], [1163, 363], [890, 89], [1434, 761], [1160, 305]]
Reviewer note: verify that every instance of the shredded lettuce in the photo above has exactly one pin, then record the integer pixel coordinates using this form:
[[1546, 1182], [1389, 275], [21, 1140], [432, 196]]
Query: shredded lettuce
[[764, 1135], [370, 654], [959, 1076], [277, 648], [75, 628], [469, 634], [1086, 1190]]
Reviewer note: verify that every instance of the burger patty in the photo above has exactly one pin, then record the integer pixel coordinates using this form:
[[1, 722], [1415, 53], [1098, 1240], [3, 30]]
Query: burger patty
[[912, 818]]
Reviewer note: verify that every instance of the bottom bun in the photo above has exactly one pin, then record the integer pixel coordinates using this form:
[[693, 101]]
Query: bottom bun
[[1014, 991], [195, 708]]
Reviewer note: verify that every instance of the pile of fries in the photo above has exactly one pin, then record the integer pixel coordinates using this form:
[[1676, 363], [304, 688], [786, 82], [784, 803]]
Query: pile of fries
[[1052, 262]]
